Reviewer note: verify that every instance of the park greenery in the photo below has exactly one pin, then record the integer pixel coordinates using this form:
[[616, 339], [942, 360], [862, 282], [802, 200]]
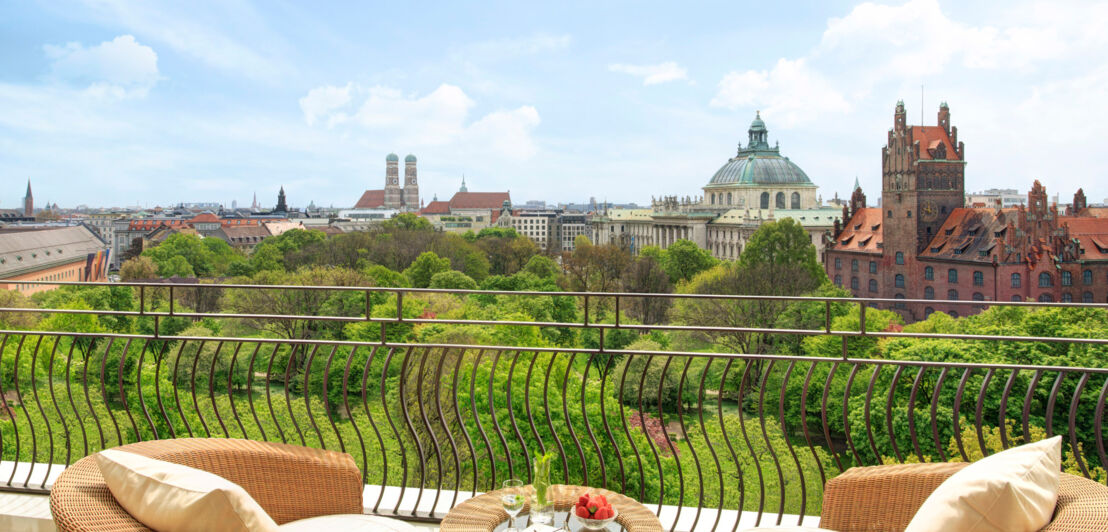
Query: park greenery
[[463, 405]]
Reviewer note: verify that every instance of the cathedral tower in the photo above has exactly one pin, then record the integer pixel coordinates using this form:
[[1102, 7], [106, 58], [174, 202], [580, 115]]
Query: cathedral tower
[[411, 184], [281, 205], [393, 193], [28, 201]]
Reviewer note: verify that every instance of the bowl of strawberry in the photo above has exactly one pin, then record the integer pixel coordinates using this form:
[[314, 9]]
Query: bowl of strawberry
[[594, 512]]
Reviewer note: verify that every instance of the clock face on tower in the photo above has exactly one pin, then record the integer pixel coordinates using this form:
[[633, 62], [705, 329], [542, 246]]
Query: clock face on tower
[[928, 211]]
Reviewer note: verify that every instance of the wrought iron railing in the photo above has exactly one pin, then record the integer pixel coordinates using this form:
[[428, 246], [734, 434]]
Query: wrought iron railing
[[689, 433]]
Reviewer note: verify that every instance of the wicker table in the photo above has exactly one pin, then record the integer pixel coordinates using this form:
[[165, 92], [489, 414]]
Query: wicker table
[[484, 513]]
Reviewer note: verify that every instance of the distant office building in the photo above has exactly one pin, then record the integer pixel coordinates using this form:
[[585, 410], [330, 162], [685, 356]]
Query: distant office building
[[1007, 197], [74, 253], [466, 211]]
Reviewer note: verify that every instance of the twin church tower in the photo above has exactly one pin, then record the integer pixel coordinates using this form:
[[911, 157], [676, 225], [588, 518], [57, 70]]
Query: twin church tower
[[406, 198]]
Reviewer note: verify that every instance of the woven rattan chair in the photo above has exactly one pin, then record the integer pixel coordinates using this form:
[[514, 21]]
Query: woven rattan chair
[[886, 497], [289, 482]]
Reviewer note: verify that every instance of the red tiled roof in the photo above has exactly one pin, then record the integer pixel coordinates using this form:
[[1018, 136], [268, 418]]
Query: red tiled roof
[[205, 217], [1091, 232], [436, 207], [479, 200], [371, 199], [929, 138], [862, 233]]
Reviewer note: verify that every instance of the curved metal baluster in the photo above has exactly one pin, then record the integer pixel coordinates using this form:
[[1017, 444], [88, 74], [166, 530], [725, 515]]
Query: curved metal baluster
[[869, 425], [1027, 404], [158, 388], [176, 396], [750, 448], [912, 411], [42, 413], [268, 397], [769, 444], [527, 402], [230, 387], [846, 409], [462, 427], [23, 406], [211, 390], [627, 430], [550, 419], [395, 432], [288, 380], [607, 426], [957, 408], [104, 392], [72, 403], [708, 441], [1098, 425], [685, 434], [565, 414], [307, 392], [804, 421], [15, 386], [427, 424], [935, 416], [327, 399], [449, 436], [192, 381], [512, 416], [823, 418], [731, 448], [1002, 414], [250, 388], [58, 408], [588, 424], [481, 426], [88, 399], [494, 416], [346, 406], [889, 414], [372, 423], [1073, 425], [7, 409], [650, 441], [138, 388], [123, 391], [978, 422], [789, 445], [1050, 403], [408, 422]]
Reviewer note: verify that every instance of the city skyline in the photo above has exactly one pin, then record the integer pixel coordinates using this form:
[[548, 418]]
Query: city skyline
[[108, 102]]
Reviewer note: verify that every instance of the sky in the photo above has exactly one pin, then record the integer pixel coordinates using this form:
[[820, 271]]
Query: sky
[[115, 103]]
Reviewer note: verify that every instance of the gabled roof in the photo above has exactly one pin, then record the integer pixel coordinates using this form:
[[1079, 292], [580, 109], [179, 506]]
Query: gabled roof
[[930, 137], [479, 200], [27, 250], [863, 233], [969, 233], [436, 207], [1092, 233], [371, 199]]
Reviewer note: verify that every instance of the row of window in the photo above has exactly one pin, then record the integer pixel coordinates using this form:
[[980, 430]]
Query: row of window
[[854, 265], [1045, 278], [794, 200]]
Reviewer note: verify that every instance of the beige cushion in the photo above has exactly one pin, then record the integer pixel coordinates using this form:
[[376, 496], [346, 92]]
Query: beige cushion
[[170, 497], [1011, 491], [348, 522]]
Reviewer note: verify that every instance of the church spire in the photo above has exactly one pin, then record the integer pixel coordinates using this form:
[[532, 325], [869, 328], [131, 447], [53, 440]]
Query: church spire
[[29, 201]]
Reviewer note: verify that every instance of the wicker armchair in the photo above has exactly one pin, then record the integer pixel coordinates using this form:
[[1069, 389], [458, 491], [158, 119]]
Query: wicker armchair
[[288, 481], [880, 498]]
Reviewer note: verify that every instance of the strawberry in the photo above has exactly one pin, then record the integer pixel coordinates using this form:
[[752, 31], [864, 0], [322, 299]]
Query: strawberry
[[583, 500], [583, 512]]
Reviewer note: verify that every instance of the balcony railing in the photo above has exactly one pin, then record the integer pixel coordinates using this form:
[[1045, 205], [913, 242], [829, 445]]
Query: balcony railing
[[700, 436]]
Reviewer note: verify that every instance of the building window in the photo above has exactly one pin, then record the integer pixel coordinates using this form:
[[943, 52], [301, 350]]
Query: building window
[[728, 198], [839, 281], [794, 203], [952, 275], [1067, 298], [853, 283], [929, 273], [978, 296], [854, 265], [928, 292], [909, 214], [873, 285], [953, 313], [873, 266], [900, 257], [838, 263], [765, 200], [1017, 298], [780, 200], [952, 295], [928, 311], [1046, 298], [1067, 279], [890, 215], [1087, 277], [898, 281], [978, 278], [1017, 281], [713, 199], [1045, 280], [898, 304], [1087, 297]]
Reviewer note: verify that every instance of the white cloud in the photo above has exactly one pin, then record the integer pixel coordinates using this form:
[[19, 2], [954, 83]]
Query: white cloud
[[791, 92], [120, 68], [652, 74], [440, 118]]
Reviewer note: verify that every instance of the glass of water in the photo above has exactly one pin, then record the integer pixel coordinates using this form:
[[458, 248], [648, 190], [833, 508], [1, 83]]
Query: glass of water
[[512, 498]]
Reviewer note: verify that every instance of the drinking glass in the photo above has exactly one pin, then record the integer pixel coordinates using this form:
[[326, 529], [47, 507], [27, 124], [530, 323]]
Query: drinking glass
[[512, 500]]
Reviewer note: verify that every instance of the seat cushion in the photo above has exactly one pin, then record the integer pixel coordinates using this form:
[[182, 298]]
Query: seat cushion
[[1011, 491], [348, 522], [170, 497]]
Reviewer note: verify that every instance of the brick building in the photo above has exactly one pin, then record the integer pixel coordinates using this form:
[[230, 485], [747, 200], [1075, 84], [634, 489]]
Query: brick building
[[923, 243]]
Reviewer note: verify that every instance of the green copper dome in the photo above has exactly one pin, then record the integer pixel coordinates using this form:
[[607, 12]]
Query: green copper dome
[[410, 158], [759, 164], [392, 158]]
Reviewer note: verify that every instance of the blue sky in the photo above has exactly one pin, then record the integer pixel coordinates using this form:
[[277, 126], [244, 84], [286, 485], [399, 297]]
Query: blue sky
[[112, 103]]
